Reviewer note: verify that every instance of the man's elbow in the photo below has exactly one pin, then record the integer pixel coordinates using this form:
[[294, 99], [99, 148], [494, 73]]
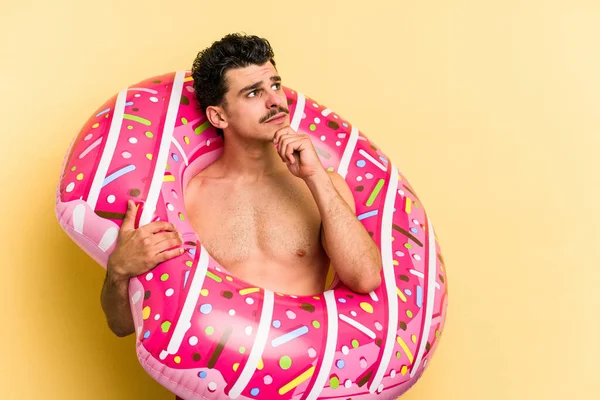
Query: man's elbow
[[367, 283], [121, 331]]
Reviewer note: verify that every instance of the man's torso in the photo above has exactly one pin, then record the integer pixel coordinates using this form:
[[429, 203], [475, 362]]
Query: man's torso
[[266, 233]]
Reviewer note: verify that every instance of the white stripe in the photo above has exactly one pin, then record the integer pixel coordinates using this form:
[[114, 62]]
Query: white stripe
[[163, 151], [326, 112], [109, 150], [388, 277], [374, 161], [430, 298], [348, 151], [358, 326], [185, 159], [300, 103], [184, 321], [262, 334], [331, 342], [78, 218]]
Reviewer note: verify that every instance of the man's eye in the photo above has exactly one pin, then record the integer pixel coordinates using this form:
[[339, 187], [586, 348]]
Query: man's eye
[[276, 86], [254, 93]]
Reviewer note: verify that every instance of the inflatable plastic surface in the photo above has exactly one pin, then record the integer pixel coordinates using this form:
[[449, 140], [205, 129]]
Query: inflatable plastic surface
[[204, 334]]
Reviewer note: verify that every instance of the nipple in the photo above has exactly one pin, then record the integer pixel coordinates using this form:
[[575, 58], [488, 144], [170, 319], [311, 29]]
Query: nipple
[[300, 252]]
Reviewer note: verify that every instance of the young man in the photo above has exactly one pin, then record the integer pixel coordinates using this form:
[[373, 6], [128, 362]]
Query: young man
[[266, 210]]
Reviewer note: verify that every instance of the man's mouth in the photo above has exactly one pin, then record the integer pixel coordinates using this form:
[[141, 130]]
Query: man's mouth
[[276, 117]]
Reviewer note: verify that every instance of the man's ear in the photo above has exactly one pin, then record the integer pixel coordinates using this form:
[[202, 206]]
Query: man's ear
[[216, 116]]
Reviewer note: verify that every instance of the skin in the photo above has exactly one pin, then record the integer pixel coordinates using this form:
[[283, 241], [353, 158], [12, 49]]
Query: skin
[[266, 210]]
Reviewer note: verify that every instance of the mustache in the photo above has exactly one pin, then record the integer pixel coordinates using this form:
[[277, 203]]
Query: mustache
[[273, 112]]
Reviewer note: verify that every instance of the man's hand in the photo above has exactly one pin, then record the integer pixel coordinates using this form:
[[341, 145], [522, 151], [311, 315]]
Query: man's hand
[[298, 152], [139, 250]]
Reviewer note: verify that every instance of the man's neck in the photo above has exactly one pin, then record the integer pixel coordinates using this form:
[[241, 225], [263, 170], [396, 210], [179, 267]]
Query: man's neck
[[248, 160]]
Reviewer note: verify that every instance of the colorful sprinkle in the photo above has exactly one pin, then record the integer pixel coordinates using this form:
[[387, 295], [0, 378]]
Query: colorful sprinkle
[[164, 277], [206, 308], [254, 391], [316, 324], [334, 382], [146, 312], [419, 296], [303, 330], [201, 128], [165, 326], [340, 364], [202, 374], [367, 307], [285, 362], [355, 343], [375, 193], [361, 163], [213, 277], [209, 330], [268, 379], [118, 174], [312, 353], [135, 118], [193, 340], [95, 125], [297, 380]]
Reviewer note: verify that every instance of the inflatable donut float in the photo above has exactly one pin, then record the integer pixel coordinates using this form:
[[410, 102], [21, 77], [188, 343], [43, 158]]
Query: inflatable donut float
[[204, 334]]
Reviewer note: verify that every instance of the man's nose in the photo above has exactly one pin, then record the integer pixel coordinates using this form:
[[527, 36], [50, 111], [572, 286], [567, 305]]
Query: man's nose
[[274, 99]]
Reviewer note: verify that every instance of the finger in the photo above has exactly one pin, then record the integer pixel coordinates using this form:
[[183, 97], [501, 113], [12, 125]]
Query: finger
[[167, 255], [158, 226], [171, 237], [283, 131], [293, 145], [128, 221], [169, 244]]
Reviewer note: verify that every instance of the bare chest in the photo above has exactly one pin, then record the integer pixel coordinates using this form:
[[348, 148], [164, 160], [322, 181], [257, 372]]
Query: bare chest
[[275, 222]]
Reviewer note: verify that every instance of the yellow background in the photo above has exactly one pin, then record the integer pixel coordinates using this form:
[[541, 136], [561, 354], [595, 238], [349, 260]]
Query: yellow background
[[491, 109]]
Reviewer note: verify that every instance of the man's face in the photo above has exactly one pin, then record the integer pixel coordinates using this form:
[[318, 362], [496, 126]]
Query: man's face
[[256, 105]]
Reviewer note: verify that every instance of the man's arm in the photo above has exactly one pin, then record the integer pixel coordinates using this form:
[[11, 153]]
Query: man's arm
[[354, 255], [115, 303], [137, 252]]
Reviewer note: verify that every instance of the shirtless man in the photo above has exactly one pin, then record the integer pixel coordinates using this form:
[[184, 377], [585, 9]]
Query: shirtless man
[[266, 210]]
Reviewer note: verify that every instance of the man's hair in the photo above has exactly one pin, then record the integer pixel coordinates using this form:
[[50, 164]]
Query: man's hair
[[233, 51]]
